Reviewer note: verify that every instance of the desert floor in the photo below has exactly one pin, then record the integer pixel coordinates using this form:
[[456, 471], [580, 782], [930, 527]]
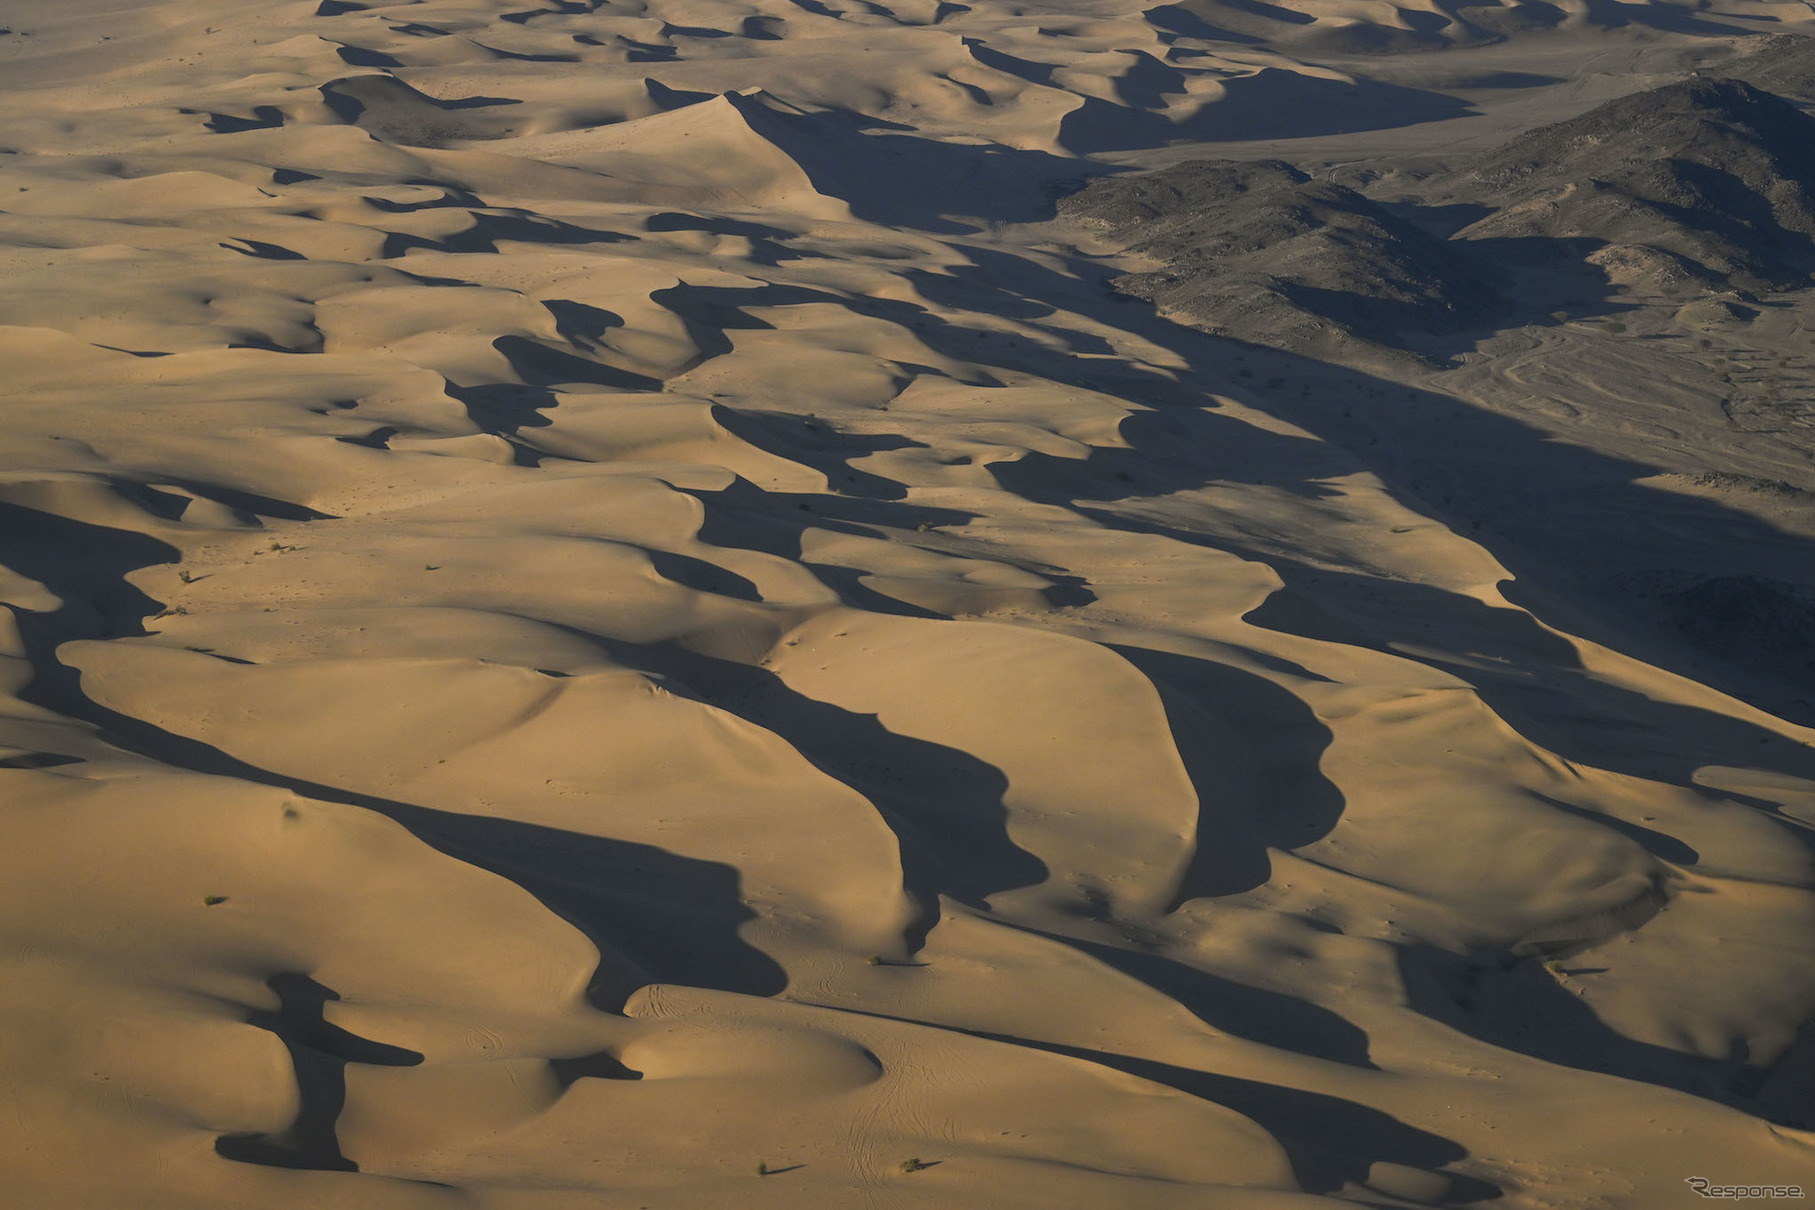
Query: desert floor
[[606, 609]]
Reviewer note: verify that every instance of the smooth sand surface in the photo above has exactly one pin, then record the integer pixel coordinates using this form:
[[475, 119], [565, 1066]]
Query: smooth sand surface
[[603, 610]]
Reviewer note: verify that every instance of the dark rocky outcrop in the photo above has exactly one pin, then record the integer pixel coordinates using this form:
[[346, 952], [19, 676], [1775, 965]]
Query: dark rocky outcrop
[[1261, 251], [1783, 64], [1698, 184], [1702, 189]]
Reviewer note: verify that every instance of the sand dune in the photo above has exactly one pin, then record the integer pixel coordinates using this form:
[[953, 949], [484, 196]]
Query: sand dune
[[606, 607]]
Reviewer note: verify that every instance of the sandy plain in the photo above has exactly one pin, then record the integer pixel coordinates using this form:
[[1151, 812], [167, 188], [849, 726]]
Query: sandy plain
[[605, 609]]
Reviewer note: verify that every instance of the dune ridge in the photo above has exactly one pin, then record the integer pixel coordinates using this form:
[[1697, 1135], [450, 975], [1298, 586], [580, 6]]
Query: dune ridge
[[606, 607]]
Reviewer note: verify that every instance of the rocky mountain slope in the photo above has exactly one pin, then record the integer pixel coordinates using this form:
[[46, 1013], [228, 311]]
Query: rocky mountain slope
[[1259, 251], [1701, 188]]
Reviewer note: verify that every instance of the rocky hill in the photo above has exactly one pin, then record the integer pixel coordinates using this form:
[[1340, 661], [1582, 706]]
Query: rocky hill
[[1260, 251], [1703, 187], [1702, 183]]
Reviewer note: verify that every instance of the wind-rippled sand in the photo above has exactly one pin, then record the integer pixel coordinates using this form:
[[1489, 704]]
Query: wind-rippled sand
[[604, 610]]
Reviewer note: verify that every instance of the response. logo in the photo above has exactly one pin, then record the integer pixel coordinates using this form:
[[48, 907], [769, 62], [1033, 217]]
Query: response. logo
[[1707, 1188]]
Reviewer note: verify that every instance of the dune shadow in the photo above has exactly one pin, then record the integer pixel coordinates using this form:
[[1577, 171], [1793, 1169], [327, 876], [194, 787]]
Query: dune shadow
[[1506, 484], [1329, 1141], [260, 250], [1272, 103], [818, 444], [1556, 514], [708, 312], [888, 175], [1551, 512], [1175, 21], [744, 516], [581, 323], [1660, 845], [82, 565], [1529, 676], [264, 117], [768, 245], [1238, 1009], [701, 575], [1282, 802], [360, 56], [655, 916], [944, 805], [491, 225], [1519, 1006], [320, 1052], [1670, 18], [389, 109], [505, 409]]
